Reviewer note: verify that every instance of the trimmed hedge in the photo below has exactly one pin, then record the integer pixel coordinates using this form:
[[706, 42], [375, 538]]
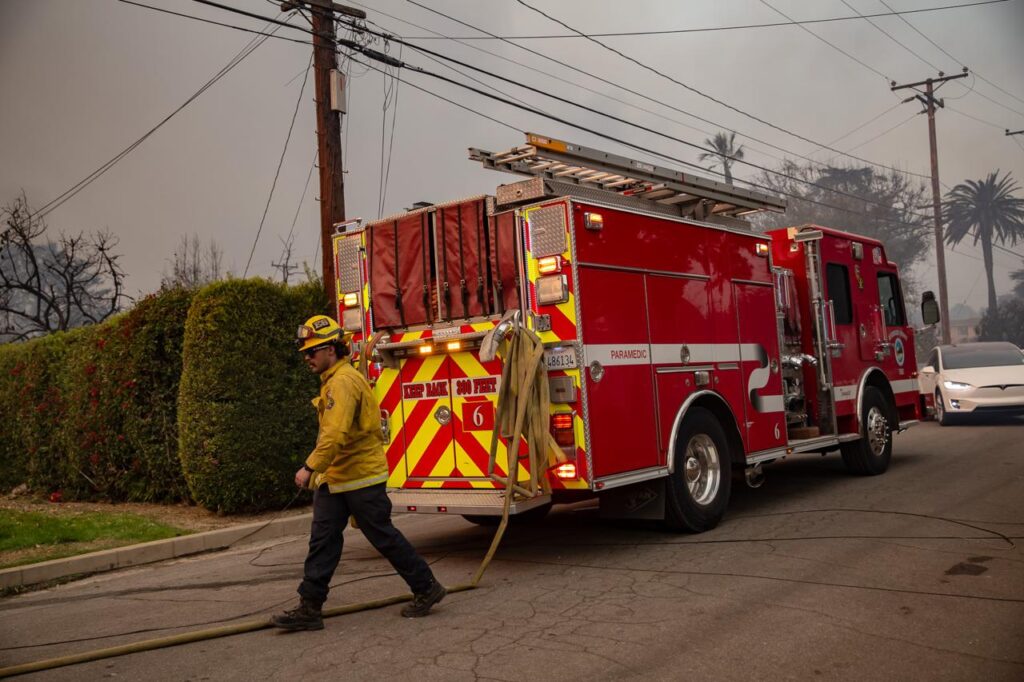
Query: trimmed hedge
[[95, 409], [188, 394], [244, 418], [31, 410]]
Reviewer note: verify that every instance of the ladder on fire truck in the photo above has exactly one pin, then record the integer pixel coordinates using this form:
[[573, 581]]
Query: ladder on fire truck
[[561, 168]]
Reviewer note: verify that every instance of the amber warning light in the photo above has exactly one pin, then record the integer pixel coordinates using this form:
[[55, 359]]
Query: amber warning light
[[549, 264], [565, 471]]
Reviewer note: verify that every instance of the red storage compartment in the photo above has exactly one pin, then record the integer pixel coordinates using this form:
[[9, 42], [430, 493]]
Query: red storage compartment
[[503, 263], [462, 281], [399, 256]]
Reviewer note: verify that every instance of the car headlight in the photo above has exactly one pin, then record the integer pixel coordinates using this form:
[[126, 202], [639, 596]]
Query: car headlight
[[956, 385]]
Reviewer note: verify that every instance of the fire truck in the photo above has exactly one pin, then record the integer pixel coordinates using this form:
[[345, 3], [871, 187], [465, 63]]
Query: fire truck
[[680, 346]]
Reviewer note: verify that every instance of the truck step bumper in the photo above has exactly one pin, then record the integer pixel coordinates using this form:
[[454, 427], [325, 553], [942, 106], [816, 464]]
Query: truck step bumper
[[440, 501]]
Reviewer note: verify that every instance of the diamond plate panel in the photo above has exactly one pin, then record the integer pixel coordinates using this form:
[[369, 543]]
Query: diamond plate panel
[[519, 192], [348, 265], [547, 231]]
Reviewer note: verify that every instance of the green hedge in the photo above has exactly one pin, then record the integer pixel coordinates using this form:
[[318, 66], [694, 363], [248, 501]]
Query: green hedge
[[31, 411], [244, 417], [121, 385], [96, 412], [93, 412]]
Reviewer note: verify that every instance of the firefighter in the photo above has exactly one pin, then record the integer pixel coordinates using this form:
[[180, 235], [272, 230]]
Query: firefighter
[[348, 472]]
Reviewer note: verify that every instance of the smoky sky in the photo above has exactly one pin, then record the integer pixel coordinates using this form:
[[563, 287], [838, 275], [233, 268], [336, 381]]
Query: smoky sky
[[82, 79]]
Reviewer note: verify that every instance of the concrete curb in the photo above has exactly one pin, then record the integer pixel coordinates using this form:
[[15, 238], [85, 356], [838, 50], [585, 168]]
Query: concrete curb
[[157, 550]]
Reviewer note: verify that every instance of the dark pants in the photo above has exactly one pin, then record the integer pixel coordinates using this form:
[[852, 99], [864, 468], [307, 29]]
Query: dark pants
[[372, 510]]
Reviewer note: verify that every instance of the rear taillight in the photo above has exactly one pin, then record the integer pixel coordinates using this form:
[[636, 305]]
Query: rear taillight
[[562, 429]]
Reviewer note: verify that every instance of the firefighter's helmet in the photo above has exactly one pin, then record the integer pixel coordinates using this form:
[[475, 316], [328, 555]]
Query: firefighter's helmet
[[318, 330]]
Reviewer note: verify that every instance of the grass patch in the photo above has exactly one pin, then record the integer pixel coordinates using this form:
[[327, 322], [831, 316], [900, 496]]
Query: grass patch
[[30, 537]]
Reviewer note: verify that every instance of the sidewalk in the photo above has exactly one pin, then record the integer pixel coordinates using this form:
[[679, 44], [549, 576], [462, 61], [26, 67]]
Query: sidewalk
[[158, 550]]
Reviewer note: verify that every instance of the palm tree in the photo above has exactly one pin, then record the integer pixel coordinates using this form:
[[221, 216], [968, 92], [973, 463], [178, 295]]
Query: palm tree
[[988, 211], [722, 153]]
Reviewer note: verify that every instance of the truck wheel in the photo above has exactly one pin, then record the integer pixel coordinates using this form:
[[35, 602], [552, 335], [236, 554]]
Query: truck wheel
[[869, 455], [941, 415], [698, 488]]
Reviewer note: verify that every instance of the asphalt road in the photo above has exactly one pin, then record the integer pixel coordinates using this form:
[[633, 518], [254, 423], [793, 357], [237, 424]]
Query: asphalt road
[[914, 575]]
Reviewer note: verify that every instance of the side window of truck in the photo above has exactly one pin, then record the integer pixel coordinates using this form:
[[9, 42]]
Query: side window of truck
[[838, 281], [890, 299]]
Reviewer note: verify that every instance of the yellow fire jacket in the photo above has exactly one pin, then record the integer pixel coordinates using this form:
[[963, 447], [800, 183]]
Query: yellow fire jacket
[[349, 452]]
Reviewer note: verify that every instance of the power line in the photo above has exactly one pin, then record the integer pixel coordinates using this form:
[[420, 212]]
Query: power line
[[661, 103], [378, 56], [957, 61], [624, 102], [559, 78], [302, 198], [832, 45], [373, 54], [874, 70], [215, 23], [709, 28], [72, 191], [862, 125], [277, 173], [982, 121], [590, 110], [710, 97], [890, 36], [653, 152], [677, 160], [887, 130], [385, 171], [666, 104]]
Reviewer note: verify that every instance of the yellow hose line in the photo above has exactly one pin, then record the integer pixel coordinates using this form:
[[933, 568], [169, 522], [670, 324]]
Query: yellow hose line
[[197, 636]]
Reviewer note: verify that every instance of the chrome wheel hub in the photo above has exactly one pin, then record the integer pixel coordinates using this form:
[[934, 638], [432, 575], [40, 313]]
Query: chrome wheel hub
[[702, 469], [877, 431]]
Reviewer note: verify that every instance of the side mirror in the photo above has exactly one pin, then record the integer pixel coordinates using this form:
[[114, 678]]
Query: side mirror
[[929, 308]]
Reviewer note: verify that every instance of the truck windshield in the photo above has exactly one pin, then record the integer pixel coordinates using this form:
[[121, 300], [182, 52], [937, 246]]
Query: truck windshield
[[962, 358]]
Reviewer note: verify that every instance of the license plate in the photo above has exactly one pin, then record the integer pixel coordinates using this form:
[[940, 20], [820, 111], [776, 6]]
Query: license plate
[[560, 358]]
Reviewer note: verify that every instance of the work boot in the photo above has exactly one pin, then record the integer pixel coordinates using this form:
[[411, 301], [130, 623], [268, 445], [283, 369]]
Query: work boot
[[422, 602], [305, 617]]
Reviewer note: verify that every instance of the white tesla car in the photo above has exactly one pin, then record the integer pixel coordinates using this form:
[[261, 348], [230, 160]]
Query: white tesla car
[[985, 377]]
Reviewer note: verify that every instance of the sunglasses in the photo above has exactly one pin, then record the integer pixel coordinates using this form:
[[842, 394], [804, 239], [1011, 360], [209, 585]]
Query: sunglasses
[[313, 351]]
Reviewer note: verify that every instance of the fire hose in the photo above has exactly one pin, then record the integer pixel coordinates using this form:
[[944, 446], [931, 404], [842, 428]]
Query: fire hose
[[521, 414]]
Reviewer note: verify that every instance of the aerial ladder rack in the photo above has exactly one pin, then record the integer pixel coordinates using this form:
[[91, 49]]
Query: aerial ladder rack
[[558, 168]]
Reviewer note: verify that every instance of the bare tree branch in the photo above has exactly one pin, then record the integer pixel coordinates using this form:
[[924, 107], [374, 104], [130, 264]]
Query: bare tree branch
[[53, 285]]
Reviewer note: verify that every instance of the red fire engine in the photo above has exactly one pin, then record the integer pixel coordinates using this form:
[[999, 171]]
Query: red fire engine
[[680, 345]]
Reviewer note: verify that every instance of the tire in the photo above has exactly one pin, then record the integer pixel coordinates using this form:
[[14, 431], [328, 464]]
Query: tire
[[869, 455], [529, 516], [941, 415], [697, 491]]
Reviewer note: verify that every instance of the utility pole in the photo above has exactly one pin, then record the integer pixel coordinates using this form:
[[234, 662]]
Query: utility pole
[[285, 266], [927, 98], [328, 121]]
